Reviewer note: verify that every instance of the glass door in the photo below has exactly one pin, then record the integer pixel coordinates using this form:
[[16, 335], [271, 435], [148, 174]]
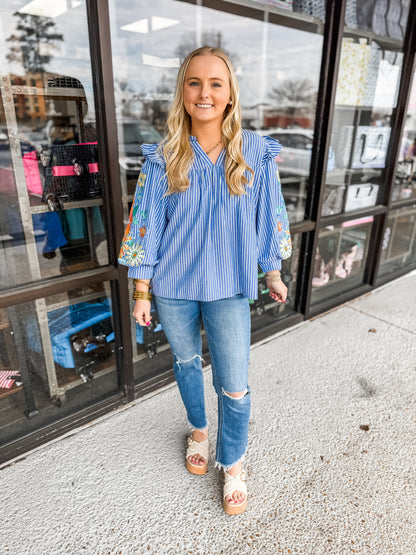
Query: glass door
[[52, 218]]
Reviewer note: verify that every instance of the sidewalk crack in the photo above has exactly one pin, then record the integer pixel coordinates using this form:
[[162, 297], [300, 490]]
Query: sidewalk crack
[[382, 320]]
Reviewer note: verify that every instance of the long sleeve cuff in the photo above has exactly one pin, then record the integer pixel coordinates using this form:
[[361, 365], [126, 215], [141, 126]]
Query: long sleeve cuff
[[140, 272], [270, 265]]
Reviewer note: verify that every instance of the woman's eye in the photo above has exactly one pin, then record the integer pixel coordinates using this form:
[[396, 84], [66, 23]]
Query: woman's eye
[[216, 85], [193, 83]]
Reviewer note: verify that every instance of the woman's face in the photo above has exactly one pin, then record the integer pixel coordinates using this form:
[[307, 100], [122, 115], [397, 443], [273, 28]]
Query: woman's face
[[206, 89]]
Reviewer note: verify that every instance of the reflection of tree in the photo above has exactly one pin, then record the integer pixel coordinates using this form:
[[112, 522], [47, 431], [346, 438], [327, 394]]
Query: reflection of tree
[[208, 38], [33, 32], [293, 94]]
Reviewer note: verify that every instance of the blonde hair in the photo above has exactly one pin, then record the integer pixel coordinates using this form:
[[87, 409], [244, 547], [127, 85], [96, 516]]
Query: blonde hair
[[176, 148]]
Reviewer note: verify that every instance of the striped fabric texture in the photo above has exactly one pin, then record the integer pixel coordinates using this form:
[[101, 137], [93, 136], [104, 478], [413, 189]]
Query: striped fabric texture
[[205, 244]]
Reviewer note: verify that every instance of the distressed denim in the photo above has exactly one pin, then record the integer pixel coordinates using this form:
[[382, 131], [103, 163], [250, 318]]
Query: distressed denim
[[227, 327]]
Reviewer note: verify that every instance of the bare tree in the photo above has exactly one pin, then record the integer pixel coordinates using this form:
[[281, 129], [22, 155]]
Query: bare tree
[[294, 93], [32, 32]]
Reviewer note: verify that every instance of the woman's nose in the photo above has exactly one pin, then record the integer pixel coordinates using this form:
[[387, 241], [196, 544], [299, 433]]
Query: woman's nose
[[204, 91]]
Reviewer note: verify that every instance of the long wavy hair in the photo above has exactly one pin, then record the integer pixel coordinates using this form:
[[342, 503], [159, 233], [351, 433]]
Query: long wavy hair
[[176, 148]]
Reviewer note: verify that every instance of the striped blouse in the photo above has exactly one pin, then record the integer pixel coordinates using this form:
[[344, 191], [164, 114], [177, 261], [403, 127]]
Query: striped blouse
[[205, 244]]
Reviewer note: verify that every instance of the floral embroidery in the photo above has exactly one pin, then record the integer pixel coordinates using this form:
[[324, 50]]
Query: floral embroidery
[[143, 214], [279, 226], [133, 254], [126, 236], [286, 247], [141, 180], [279, 210], [143, 231]]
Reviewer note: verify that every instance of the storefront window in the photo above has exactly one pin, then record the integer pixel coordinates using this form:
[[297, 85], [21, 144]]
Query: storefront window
[[405, 180], [278, 71], [399, 242], [367, 91], [340, 258], [57, 355], [51, 197]]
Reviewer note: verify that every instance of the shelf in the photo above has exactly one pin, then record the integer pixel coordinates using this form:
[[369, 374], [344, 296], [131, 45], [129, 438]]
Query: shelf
[[51, 92], [68, 205]]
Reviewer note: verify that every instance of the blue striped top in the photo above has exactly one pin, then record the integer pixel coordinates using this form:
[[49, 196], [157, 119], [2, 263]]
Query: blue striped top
[[205, 244]]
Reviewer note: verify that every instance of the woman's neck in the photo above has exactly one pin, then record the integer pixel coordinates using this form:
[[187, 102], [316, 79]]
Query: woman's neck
[[206, 135]]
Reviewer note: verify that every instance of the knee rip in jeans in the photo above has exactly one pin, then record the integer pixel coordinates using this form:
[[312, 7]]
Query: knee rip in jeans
[[180, 361], [235, 396]]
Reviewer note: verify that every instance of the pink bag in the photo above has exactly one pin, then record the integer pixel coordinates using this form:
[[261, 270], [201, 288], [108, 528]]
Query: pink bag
[[31, 167]]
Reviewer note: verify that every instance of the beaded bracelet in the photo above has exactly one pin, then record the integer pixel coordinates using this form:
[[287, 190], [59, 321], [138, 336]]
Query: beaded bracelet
[[142, 295]]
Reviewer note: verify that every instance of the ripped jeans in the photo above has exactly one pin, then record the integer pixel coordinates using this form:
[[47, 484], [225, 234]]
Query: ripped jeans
[[227, 326]]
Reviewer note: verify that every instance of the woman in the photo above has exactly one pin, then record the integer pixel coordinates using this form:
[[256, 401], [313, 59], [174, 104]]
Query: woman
[[208, 208]]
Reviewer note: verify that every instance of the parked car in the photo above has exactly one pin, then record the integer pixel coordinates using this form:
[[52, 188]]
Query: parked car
[[295, 159], [131, 134]]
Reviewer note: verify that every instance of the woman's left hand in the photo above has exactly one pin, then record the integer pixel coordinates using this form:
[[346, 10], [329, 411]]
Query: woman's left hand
[[278, 291]]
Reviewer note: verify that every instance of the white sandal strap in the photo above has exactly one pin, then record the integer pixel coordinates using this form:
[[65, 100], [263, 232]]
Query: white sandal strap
[[235, 483], [197, 448]]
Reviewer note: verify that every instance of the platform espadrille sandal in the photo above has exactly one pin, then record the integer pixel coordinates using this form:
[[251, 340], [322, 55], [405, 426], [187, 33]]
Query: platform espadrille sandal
[[231, 484], [197, 448]]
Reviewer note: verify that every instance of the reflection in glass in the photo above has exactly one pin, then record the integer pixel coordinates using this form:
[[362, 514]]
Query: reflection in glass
[[264, 310], [367, 90], [51, 186], [278, 92], [399, 242], [59, 354], [405, 179], [340, 258]]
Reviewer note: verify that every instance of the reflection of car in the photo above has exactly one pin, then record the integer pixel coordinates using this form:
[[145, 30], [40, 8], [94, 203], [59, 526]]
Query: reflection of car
[[132, 133], [295, 158]]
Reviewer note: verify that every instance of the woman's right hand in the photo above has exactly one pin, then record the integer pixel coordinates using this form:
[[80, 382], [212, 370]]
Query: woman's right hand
[[141, 312]]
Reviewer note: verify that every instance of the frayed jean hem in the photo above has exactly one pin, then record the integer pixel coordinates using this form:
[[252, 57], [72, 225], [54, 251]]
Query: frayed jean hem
[[226, 467]]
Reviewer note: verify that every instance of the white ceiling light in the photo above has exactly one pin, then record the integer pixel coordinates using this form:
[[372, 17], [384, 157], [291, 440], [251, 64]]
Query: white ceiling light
[[45, 8], [140, 26], [162, 22], [160, 62]]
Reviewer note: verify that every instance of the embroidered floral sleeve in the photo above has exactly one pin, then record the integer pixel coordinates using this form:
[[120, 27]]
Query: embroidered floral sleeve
[[273, 236], [147, 221]]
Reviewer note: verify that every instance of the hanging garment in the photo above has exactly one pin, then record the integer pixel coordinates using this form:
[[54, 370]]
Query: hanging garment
[[310, 7], [372, 16]]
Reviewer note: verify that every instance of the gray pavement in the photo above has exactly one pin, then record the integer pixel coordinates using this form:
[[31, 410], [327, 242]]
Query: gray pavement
[[331, 460]]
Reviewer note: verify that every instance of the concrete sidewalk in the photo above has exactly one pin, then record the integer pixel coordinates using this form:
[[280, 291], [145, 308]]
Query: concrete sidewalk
[[331, 462]]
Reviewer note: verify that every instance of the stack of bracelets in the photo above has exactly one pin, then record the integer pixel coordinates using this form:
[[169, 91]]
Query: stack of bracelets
[[142, 295], [273, 276]]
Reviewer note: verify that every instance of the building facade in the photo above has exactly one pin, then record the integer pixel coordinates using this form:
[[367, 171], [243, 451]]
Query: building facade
[[84, 83]]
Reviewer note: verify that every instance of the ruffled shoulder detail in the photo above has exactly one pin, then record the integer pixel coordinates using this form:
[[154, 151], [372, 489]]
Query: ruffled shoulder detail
[[258, 149], [273, 147], [153, 153]]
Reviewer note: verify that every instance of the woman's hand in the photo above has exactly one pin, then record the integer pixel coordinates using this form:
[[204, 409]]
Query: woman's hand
[[141, 312], [278, 291]]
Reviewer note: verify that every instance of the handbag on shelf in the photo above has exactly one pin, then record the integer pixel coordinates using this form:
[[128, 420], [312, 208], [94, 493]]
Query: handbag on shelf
[[352, 74], [71, 174], [388, 77], [370, 147], [361, 195]]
